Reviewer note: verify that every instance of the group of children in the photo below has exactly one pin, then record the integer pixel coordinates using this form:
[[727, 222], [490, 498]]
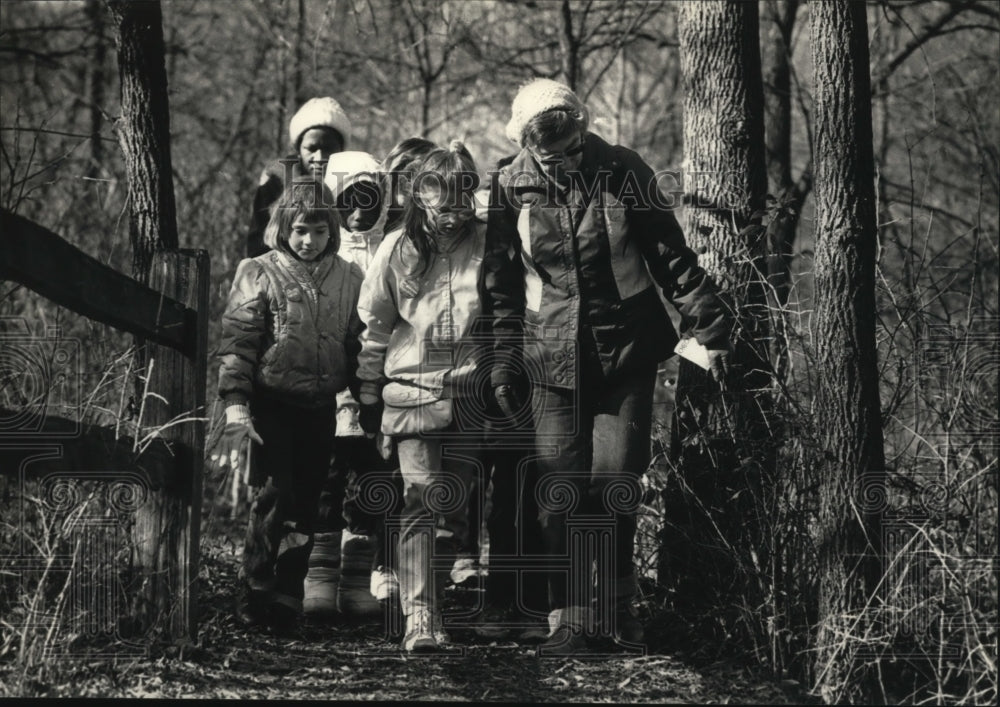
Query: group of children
[[359, 275]]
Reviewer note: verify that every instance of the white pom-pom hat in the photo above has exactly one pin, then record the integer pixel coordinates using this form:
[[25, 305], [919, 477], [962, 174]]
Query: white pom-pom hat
[[537, 97], [347, 168], [319, 113]]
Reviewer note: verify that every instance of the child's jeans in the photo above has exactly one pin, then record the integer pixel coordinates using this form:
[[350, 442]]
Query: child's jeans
[[295, 458], [437, 477]]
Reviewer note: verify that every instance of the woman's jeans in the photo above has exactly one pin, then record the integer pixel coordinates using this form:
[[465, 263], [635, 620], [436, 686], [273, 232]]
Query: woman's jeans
[[593, 447]]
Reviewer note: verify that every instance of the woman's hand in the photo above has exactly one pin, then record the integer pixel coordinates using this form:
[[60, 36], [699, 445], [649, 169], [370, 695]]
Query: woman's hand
[[508, 400], [719, 364]]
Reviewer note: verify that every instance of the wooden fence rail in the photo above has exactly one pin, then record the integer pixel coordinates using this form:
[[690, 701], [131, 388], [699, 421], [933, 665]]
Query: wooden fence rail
[[172, 316]]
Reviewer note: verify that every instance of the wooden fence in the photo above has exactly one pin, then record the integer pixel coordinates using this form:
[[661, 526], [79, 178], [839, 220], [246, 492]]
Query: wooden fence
[[171, 315]]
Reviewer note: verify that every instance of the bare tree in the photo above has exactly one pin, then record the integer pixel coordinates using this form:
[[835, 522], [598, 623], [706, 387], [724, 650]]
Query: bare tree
[[721, 441], [144, 130], [777, 23], [848, 417]]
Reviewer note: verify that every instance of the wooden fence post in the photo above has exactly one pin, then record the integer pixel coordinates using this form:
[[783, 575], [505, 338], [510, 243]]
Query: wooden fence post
[[167, 526]]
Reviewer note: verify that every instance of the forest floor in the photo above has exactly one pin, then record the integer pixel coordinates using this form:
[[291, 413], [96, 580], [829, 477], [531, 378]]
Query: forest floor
[[355, 662]]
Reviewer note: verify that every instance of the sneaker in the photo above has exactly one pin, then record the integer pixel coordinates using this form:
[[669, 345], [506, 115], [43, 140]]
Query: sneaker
[[384, 584], [419, 636], [465, 572], [566, 635], [437, 627], [565, 640], [321, 586]]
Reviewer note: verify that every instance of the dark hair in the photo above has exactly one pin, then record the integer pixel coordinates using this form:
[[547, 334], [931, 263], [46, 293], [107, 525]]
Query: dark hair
[[400, 161], [552, 126], [303, 197], [446, 170]]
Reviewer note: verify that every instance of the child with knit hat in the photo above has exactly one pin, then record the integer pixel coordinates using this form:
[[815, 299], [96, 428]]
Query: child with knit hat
[[318, 129], [580, 238]]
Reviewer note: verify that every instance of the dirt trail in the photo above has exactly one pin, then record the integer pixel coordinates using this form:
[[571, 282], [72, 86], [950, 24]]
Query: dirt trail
[[354, 662]]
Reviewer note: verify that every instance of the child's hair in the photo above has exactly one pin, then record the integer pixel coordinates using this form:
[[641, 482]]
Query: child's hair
[[404, 154], [552, 126], [309, 197], [446, 170], [397, 164]]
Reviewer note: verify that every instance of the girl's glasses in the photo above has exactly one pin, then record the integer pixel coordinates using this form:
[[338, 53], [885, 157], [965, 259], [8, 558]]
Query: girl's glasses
[[555, 158]]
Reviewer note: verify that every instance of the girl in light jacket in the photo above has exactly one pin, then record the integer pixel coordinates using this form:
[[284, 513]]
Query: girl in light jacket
[[419, 368]]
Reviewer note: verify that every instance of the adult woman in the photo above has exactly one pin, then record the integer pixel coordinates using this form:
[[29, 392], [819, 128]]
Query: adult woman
[[579, 238]]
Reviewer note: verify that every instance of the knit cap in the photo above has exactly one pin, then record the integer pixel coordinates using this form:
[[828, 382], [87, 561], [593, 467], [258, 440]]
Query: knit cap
[[347, 168], [319, 113], [537, 97]]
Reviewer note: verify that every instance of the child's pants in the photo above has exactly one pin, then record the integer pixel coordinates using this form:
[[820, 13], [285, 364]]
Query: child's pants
[[437, 476], [361, 490], [295, 457]]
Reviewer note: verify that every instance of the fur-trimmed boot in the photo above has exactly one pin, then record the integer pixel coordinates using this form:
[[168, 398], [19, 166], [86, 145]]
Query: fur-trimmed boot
[[322, 583], [355, 598]]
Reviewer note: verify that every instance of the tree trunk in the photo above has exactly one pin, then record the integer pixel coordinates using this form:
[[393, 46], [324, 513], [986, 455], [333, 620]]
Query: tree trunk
[[569, 46], [144, 130], [721, 444], [300, 44], [95, 16], [847, 408], [776, 29]]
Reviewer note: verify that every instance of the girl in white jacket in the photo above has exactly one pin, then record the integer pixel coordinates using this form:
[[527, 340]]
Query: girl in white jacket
[[421, 303]]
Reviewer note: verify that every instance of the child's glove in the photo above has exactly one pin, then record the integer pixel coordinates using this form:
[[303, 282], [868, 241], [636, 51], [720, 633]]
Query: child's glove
[[236, 437], [508, 399], [370, 414]]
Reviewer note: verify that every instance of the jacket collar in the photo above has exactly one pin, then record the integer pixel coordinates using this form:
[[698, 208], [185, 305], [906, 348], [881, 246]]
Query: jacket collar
[[308, 277], [523, 171], [363, 239]]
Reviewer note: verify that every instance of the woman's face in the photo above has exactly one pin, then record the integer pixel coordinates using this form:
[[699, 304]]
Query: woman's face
[[559, 157], [309, 238]]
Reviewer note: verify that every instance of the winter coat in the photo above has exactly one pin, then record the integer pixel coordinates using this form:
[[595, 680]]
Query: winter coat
[[585, 263], [288, 333], [423, 329], [359, 249], [272, 182]]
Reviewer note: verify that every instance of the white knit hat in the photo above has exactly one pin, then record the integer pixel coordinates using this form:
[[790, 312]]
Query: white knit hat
[[536, 97], [347, 168], [319, 113]]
